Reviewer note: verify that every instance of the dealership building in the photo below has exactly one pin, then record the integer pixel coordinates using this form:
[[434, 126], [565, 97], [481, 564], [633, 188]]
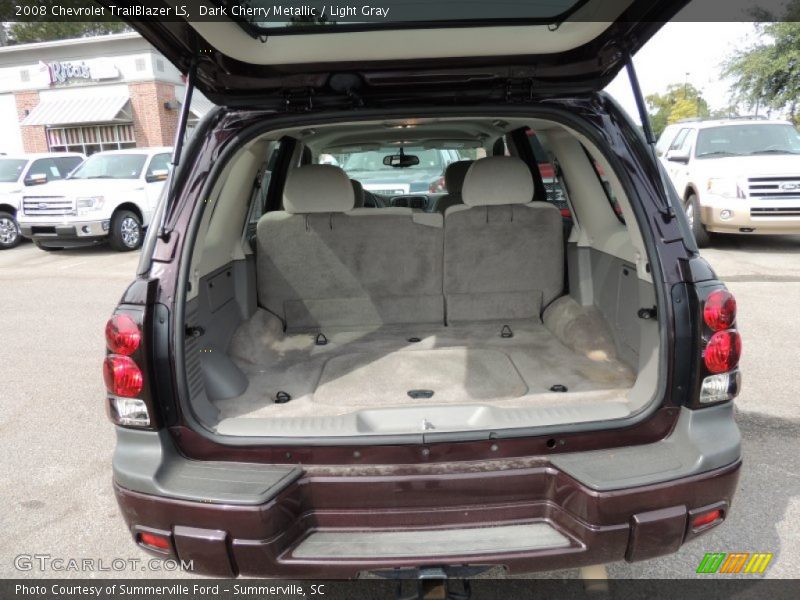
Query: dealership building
[[90, 94]]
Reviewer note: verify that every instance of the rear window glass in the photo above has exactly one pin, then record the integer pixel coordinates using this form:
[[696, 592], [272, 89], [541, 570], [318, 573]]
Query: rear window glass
[[424, 173]]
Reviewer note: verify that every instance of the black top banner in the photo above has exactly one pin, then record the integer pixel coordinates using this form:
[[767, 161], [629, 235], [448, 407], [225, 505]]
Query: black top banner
[[271, 15]]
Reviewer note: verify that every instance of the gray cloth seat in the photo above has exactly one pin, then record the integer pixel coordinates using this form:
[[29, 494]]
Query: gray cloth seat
[[454, 176], [322, 263], [503, 253]]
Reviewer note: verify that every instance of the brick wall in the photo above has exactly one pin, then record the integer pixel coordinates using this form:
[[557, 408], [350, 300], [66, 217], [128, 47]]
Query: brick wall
[[153, 125], [34, 138]]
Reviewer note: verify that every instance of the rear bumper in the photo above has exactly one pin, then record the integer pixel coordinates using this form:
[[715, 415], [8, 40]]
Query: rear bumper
[[579, 527], [526, 515]]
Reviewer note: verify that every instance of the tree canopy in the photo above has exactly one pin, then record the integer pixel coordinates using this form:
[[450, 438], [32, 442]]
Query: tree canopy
[[680, 101], [767, 74]]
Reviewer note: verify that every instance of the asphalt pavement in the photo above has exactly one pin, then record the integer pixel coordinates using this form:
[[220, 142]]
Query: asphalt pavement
[[57, 443]]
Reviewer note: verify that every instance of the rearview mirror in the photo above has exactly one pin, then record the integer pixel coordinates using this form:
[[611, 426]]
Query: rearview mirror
[[157, 175], [400, 160], [678, 156], [36, 179]]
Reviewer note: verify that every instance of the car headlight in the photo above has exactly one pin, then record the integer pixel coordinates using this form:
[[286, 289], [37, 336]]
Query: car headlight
[[90, 204], [725, 187]]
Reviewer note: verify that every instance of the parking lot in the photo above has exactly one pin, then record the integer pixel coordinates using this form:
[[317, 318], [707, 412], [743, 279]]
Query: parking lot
[[57, 441]]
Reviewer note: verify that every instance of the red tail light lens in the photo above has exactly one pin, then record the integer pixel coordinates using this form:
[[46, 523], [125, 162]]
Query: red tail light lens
[[123, 335], [723, 351], [706, 518], [153, 540], [123, 377], [719, 311]]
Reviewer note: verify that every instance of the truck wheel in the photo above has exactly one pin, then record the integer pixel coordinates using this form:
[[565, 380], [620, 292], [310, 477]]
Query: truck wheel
[[126, 231], [9, 231], [701, 236]]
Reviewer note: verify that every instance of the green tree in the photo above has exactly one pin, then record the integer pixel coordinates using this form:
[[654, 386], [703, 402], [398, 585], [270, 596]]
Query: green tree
[[767, 74], [680, 101]]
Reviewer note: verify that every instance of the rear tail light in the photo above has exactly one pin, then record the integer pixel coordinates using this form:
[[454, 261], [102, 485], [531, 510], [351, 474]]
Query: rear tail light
[[131, 412], [721, 347], [123, 375], [719, 311], [723, 351], [122, 335]]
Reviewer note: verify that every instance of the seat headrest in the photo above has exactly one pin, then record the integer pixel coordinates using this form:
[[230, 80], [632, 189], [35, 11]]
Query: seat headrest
[[317, 188], [454, 175], [358, 192], [497, 180]]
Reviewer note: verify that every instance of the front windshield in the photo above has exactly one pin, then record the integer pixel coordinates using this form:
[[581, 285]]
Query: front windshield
[[111, 166], [747, 140], [11, 169]]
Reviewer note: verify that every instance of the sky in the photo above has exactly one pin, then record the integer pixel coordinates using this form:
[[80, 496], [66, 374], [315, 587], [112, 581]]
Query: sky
[[680, 52]]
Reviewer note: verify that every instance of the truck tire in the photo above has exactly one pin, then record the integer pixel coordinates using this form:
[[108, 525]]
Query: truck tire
[[701, 236], [9, 231], [126, 231]]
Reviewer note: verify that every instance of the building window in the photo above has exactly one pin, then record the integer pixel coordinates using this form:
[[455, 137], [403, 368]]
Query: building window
[[89, 139], [140, 64], [24, 75]]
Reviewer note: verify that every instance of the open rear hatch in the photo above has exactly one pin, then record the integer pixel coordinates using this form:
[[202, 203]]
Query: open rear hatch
[[246, 54]]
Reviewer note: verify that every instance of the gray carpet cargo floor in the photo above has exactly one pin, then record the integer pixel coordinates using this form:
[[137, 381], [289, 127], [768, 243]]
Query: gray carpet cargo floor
[[387, 366]]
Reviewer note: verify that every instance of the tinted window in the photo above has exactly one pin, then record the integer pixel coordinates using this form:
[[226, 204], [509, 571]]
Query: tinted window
[[11, 169], [111, 166]]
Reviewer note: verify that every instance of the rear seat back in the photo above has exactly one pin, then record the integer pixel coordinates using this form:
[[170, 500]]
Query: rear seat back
[[321, 263], [503, 254]]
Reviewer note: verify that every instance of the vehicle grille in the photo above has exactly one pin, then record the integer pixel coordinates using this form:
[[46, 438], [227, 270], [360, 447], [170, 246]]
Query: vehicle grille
[[50, 206], [783, 211], [774, 187]]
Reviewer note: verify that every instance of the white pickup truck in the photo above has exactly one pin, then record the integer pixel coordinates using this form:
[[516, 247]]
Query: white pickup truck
[[112, 196], [21, 171], [735, 175]]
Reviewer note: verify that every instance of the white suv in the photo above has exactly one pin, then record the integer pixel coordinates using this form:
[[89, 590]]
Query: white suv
[[111, 196], [735, 175], [21, 171]]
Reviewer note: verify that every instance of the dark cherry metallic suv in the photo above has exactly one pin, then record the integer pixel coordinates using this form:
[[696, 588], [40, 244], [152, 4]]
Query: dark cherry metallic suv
[[308, 384]]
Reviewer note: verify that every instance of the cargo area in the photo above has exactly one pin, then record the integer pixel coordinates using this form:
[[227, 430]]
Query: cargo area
[[346, 313]]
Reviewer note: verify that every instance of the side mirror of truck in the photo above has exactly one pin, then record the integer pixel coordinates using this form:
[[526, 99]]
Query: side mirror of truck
[[679, 156], [157, 175]]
